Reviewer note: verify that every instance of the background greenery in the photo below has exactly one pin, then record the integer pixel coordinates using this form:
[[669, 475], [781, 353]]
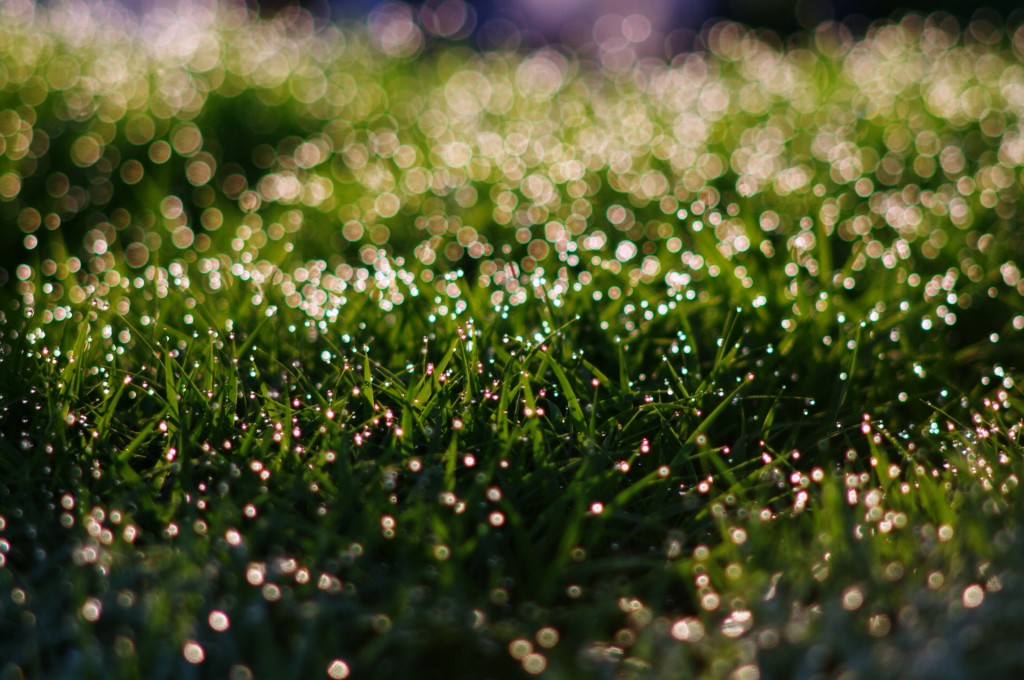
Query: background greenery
[[331, 350]]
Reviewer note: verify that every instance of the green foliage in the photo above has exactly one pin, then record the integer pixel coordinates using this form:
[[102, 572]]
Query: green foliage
[[324, 355]]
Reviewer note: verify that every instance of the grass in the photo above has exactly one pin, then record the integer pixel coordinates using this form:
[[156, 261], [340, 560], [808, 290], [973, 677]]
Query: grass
[[334, 351]]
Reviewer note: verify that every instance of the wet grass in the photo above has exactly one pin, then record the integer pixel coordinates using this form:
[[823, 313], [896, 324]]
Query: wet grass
[[328, 351]]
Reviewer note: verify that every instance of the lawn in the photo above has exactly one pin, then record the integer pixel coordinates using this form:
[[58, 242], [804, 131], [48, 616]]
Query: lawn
[[344, 351]]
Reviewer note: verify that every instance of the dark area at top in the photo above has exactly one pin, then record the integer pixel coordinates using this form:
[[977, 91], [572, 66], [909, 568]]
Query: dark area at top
[[560, 21]]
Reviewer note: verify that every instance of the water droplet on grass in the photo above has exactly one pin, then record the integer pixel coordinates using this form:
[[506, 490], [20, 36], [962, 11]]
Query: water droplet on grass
[[337, 670]]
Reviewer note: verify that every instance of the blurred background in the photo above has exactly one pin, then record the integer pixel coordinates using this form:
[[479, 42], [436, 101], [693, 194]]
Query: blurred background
[[649, 26]]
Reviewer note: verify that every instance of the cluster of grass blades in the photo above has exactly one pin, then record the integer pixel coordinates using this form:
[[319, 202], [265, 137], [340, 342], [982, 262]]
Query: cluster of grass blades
[[332, 351]]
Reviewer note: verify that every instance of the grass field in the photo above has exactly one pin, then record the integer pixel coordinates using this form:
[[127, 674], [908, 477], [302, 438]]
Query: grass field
[[338, 351]]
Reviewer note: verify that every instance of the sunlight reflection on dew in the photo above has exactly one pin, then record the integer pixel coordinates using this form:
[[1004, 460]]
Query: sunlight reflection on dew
[[688, 630], [193, 652], [973, 596], [92, 609], [337, 670], [218, 621]]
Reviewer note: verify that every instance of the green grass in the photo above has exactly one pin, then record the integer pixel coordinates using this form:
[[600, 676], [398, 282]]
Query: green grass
[[323, 353]]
